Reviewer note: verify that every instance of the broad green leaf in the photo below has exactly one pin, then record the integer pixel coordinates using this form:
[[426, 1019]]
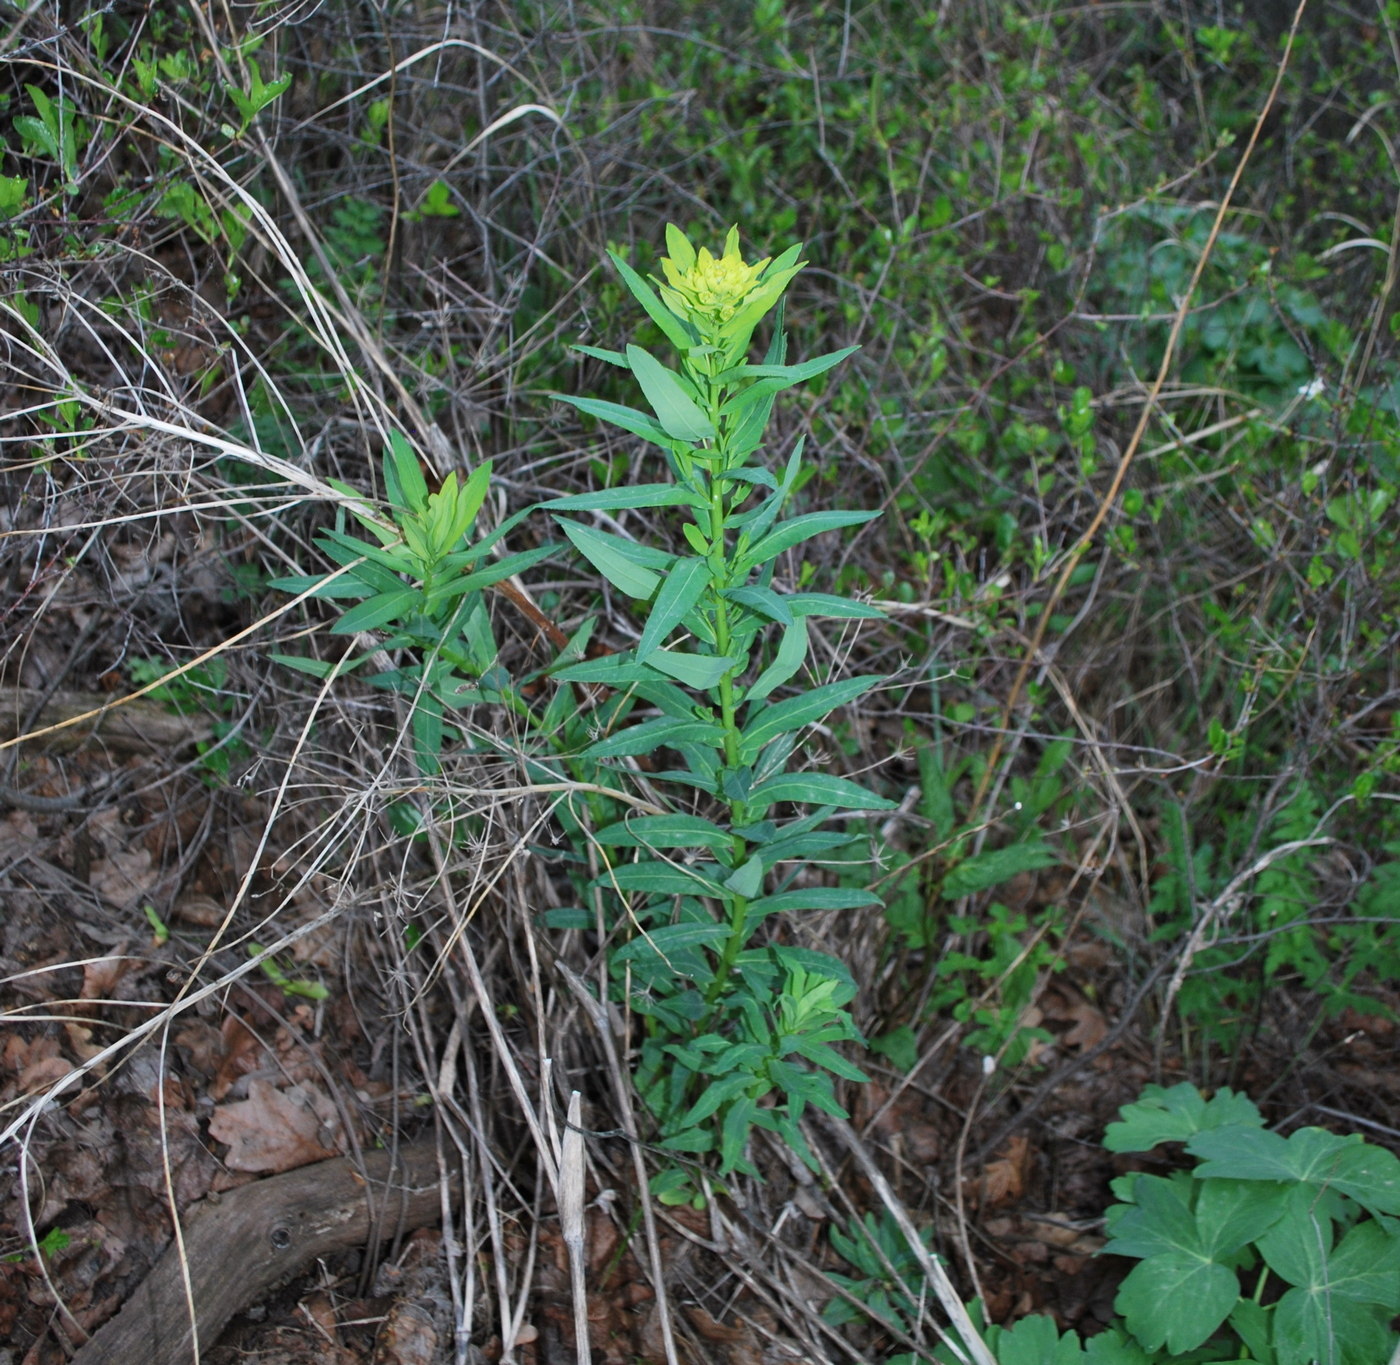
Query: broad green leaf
[[615, 499], [1232, 1213], [700, 671], [680, 590], [629, 419], [677, 412], [377, 611], [984, 870], [1335, 1309], [665, 731], [665, 831], [1159, 1220], [794, 532], [1035, 1340], [600, 551], [818, 789], [1176, 1115], [795, 712], [1176, 1299], [1312, 1156], [792, 653]]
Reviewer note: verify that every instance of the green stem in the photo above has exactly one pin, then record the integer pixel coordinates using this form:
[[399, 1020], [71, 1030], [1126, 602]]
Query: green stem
[[728, 700]]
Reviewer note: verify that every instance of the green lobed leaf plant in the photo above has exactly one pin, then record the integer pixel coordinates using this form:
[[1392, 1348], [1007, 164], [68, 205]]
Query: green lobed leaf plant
[[1283, 1250], [741, 1027]]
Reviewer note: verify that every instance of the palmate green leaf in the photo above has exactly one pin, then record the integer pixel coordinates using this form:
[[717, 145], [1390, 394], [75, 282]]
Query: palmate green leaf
[[602, 552], [1036, 1340], [1114, 1347], [616, 499], [818, 789], [1181, 1292], [1232, 1213], [985, 870], [665, 731], [771, 721], [1340, 1298], [1176, 1299], [1311, 1156], [680, 590], [1176, 1115], [794, 532], [676, 411]]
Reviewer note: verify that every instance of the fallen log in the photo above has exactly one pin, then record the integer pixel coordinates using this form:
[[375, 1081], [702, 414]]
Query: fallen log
[[240, 1245]]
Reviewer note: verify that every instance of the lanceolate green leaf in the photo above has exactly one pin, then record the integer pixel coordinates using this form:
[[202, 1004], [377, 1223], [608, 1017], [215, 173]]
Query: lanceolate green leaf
[[629, 419], [984, 870], [813, 898], [615, 499], [619, 570], [677, 412], [680, 591], [377, 611], [792, 651], [818, 789], [794, 532], [677, 333], [700, 671], [653, 734], [771, 721], [666, 831]]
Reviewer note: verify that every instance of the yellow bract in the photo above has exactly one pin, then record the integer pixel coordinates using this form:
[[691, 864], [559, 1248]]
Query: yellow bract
[[712, 290]]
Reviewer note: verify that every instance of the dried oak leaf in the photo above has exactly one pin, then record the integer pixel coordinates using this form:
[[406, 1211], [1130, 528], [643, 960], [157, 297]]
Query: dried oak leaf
[[276, 1130]]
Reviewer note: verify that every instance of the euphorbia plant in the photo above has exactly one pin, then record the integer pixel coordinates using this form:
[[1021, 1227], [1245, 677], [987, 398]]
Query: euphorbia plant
[[740, 1022]]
